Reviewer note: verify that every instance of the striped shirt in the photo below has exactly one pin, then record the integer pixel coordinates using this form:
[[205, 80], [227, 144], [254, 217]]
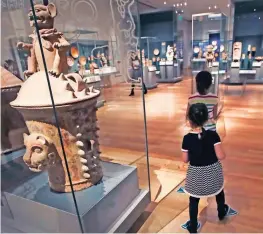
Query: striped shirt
[[210, 100]]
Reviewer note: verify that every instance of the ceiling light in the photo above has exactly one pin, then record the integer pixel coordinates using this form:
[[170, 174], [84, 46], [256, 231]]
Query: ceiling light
[[174, 5], [181, 4], [228, 5], [215, 7], [255, 9], [185, 3], [178, 4], [164, 3], [209, 8]]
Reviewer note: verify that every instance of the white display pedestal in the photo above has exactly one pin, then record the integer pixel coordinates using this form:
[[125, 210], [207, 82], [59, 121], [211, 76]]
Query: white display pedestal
[[248, 76], [234, 73], [258, 67], [149, 77], [261, 71], [112, 205], [169, 72], [162, 71], [198, 65], [177, 72]]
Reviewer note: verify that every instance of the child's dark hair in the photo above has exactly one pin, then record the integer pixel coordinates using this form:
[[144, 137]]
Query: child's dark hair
[[203, 81], [198, 115]]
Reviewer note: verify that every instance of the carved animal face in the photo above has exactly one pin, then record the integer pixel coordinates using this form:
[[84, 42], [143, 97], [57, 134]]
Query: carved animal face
[[45, 16], [40, 152]]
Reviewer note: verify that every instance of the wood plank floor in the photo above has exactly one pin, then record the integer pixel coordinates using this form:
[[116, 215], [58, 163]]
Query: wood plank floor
[[240, 126]]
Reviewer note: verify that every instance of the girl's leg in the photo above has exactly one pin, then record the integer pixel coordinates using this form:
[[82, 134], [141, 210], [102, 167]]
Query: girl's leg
[[222, 208], [193, 212]]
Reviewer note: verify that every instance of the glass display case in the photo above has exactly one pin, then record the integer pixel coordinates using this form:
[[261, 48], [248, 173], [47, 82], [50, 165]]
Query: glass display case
[[210, 30], [210, 46], [150, 61], [180, 48], [67, 165], [159, 45], [247, 32]]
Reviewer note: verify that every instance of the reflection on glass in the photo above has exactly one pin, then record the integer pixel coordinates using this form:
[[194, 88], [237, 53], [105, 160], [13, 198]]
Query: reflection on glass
[[75, 81]]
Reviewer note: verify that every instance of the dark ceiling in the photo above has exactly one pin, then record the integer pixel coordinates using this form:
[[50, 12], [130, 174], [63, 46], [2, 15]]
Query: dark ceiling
[[248, 7]]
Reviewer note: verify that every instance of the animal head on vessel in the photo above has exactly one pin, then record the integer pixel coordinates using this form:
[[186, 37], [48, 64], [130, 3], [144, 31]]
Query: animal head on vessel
[[44, 16], [40, 152]]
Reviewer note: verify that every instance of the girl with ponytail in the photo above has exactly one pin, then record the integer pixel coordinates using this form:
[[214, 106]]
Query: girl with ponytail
[[203, 150]]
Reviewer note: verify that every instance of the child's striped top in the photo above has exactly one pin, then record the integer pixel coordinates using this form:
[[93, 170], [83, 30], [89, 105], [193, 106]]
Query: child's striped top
[[210, 100]]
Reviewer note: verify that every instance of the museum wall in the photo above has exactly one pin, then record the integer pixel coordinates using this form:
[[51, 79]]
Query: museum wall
[[248, 29], [161, 26], [248, 24], [158, 25], [201, 28]]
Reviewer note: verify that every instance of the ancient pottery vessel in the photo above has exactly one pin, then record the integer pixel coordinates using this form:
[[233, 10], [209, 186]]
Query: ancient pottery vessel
[[76, 109]]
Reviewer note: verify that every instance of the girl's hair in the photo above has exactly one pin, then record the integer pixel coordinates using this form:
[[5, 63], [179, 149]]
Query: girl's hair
[[198, 115], [203, 81]]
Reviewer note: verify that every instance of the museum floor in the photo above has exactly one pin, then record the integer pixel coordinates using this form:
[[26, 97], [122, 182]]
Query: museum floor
[[240, 126]]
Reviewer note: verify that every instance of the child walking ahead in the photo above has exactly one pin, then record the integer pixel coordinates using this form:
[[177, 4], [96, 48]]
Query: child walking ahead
[[202, 149], [203, 84]]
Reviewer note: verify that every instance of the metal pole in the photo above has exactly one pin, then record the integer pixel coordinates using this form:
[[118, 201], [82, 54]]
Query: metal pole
[[148, 48], [144, 109]]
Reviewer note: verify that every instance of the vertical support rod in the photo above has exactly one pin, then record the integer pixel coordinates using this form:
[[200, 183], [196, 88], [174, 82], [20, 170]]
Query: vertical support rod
[[144, 107]]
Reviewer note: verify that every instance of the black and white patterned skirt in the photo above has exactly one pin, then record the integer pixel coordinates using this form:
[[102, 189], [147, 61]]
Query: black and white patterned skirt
[[204, 181]]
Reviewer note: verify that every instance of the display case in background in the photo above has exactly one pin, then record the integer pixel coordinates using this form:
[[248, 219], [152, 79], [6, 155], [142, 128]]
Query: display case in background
[[162, 50], [96, 59], [249, 35], [210, 31], [180, 49], [150, 61], [83, 169]]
